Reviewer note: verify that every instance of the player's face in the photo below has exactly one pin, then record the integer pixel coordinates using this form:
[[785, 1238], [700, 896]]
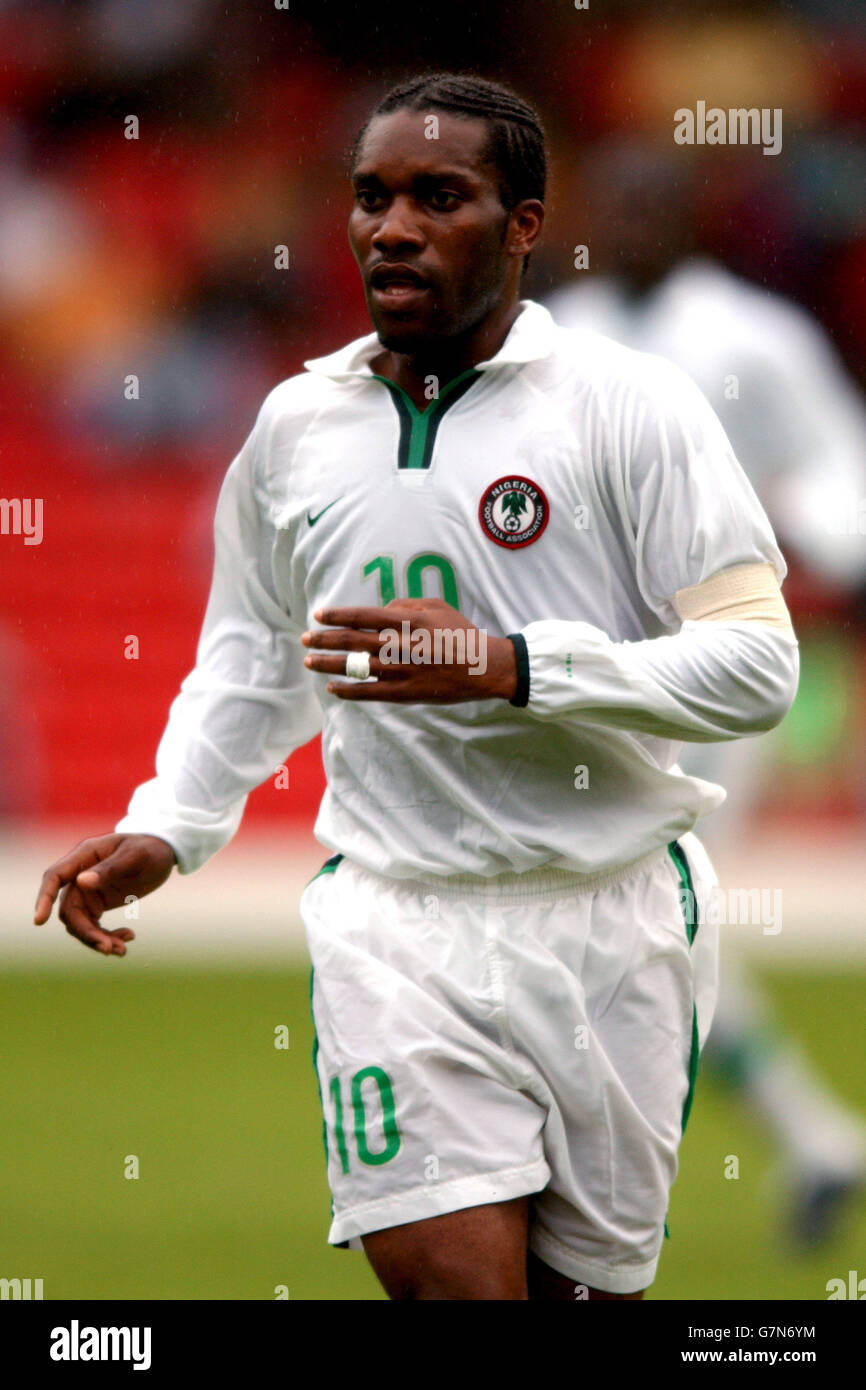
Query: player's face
[[428, 229]]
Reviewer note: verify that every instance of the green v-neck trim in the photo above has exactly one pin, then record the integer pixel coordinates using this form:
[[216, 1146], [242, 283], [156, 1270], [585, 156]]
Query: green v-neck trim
[[418, 428]]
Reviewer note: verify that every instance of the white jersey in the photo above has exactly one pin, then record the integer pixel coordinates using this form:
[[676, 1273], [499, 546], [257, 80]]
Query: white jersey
[[796, 422], [563, 491]]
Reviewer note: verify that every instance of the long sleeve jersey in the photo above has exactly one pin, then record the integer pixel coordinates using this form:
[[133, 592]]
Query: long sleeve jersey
[[564, 492]]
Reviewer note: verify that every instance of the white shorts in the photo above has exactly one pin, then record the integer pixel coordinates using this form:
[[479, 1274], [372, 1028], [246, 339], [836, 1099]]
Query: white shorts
[[480, 1040]]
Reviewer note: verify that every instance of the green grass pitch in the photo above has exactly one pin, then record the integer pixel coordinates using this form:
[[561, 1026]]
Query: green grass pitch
[[179, 1069]]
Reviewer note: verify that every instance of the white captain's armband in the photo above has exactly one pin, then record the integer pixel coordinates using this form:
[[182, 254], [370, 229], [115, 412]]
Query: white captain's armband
[[741, 594]]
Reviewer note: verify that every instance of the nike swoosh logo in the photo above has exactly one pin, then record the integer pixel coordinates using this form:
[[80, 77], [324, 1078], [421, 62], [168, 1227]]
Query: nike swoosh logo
[[311, 520]]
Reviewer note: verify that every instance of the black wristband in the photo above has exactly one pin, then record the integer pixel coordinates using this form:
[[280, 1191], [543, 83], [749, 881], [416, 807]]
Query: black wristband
[[521, 694]]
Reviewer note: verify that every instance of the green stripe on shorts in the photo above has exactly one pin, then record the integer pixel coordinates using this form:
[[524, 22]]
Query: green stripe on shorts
[[690, 915]]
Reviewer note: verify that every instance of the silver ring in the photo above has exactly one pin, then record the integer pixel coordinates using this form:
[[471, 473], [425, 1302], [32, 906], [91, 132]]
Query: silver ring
[[358, 665]]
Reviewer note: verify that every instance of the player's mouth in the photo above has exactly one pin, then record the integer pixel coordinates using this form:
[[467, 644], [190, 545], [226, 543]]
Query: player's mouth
[[397, 287]]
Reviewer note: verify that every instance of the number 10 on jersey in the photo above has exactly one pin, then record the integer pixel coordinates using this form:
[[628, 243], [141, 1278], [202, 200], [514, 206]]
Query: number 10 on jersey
[[384, 566]]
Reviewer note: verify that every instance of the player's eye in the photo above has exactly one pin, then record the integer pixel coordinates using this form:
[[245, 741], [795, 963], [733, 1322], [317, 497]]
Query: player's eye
[[443, 200], [368, 199]]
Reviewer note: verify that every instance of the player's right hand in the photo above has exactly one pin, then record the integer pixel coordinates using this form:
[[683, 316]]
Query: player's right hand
[[97, 875]]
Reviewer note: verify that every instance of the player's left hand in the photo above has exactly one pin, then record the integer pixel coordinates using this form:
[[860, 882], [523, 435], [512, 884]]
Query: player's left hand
[[455, 661]]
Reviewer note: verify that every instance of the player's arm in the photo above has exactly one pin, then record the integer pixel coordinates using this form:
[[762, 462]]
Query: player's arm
[[730, 671], [247, 704], [706, 561]]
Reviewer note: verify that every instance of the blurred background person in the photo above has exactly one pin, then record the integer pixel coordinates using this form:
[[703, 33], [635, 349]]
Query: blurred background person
[[798, 427]]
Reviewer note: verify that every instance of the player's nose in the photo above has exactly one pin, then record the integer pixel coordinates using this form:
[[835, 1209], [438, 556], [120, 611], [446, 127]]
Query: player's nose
[[399, 227]]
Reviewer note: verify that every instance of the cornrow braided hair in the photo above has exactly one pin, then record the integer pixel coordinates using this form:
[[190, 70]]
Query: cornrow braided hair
[[517, 144]]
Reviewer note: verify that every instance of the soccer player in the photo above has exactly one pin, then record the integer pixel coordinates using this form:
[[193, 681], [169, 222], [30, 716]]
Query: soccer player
[[798, 427], [507, 569]]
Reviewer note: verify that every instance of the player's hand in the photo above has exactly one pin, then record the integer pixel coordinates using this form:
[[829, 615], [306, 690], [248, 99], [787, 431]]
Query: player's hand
[[100, 874], [454, 662]]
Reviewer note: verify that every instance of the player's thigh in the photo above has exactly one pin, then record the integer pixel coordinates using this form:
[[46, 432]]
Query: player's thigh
[[477, 1253]]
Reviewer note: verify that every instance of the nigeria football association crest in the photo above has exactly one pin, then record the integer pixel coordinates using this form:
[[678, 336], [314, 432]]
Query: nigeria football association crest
[[513, 512]]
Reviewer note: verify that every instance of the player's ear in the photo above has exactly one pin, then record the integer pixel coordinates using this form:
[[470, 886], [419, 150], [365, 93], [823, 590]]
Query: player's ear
[[525, 222]]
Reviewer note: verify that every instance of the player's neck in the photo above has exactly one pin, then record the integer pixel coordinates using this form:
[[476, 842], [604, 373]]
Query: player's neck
[[445, 359]]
